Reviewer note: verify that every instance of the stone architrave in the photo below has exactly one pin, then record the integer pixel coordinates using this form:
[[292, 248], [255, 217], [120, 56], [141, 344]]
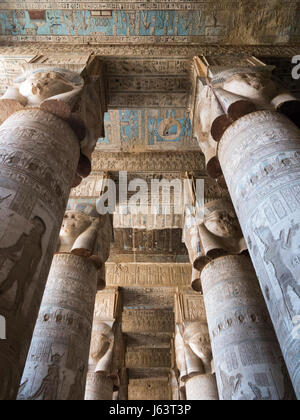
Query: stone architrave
[[247, 358], [38, 159], [260, 158], [57, 362]]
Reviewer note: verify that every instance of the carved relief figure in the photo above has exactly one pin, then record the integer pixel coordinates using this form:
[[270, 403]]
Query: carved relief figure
[[274, 254], [26, 254], [77, 388], [258, 87], [74, 224], [85, 235], [222, 222], [102, 348], [231, 385], [49, 386], [196, 336], [258, 394], [41, 84]]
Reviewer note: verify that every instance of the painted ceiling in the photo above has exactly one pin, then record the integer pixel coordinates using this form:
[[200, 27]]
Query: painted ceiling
[[135, 21], [147, 130], [148, 97]]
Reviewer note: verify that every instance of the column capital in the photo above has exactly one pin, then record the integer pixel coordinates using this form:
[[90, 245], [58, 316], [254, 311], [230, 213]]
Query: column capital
[[77, 98]]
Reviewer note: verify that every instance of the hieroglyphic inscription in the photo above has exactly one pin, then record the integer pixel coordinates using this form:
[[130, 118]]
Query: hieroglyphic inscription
[[143, 274], [259, 155], [147, 321]]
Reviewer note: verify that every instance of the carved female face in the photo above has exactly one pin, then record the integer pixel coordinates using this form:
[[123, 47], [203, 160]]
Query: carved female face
[[74, 223], [99, 347], [251, 85], [222, 223], [42, 84]]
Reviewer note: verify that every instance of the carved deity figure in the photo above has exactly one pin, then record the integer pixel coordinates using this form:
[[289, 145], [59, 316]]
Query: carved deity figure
[[206, 110], [78, 99], [86, 235], [274, 255], [77, 388], [102, 348], [26, 255], [220, 219], [50, 383], [231, 385], [41, 84], [220, 231], [196, 336], [193, 351], [75, 223], [259, 87]]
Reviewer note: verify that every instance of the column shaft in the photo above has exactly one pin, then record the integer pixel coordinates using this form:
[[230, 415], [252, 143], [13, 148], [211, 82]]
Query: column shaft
[[38, 158], [260, 159], [247, 357], [99, 387], [57, 363], [202, 388]]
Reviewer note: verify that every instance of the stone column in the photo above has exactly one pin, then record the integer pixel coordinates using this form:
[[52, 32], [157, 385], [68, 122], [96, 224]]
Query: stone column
[[246, 354], [99, 387], [57, 363], [38, 160], [44, 119], [260, 158], [56, 366]]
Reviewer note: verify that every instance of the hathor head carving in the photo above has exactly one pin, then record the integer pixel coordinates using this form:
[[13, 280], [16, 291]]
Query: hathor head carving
[[41, 84], [85, 233], [102, 348], [252, 85], [220, 232], [196, 336], [220, 219]]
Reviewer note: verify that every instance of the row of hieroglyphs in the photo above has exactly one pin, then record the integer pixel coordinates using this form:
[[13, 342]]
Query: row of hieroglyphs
[[207, 24], [116, 23], [144, 274]]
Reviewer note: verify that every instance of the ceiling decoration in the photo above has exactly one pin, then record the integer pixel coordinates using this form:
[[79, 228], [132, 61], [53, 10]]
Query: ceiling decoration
[[209, 22], [145, 130]]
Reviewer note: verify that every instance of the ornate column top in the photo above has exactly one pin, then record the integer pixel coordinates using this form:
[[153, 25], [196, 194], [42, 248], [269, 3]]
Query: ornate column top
[[77, 98]]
